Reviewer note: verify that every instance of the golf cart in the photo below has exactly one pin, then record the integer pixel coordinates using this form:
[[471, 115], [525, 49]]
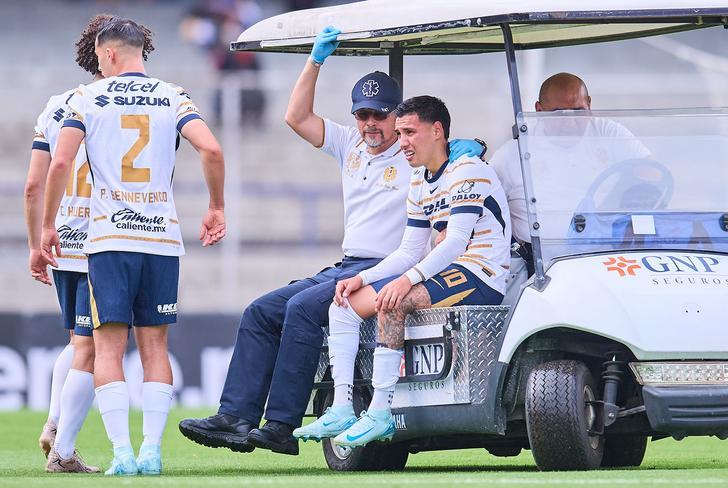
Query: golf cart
[[619, 335]]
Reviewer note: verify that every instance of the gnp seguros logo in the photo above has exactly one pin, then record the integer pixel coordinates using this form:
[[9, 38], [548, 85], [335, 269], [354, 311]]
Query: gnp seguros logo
[[669, 269]]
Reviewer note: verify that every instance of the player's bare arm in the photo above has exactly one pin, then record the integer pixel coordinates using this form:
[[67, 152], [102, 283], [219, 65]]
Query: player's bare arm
[[300, 115], [69, 141], [390, 323], [213, 166], [33, 198]]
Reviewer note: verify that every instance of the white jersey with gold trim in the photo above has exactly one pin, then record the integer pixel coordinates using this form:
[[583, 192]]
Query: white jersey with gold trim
[[131, 123], [466, 186], [73, 214]]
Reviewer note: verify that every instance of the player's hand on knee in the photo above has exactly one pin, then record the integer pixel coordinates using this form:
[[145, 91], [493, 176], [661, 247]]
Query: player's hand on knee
[[38, 267], [213, 227], [346, 287], [391, 296]]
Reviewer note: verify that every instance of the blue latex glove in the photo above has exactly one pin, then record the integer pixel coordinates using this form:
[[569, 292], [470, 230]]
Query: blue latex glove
[[464, 147], [325, 44]]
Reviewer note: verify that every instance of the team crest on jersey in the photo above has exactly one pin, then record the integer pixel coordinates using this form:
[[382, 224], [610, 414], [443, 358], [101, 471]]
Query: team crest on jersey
[[353, 163], [388, 177], [390, 174]]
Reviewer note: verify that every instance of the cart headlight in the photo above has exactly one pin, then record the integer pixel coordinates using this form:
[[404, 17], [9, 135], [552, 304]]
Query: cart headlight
[[681, 373]]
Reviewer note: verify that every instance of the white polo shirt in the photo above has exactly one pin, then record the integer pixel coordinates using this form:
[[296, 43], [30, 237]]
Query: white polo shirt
[[375, 191], [591, 154]]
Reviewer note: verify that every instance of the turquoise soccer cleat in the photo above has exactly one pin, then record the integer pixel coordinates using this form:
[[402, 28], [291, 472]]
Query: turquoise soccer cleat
[[149, 461], [333, 422], [123, 463], [375, 425]]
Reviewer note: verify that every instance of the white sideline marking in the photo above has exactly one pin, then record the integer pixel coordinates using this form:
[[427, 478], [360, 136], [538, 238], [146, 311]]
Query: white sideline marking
[[393, 479]]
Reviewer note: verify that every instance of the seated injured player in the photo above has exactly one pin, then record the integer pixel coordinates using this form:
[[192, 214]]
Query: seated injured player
[[468, 267]]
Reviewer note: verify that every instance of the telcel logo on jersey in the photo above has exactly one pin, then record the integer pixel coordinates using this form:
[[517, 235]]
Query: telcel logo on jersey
[[131, 86], [134, 87], [167, 309], [130, 220]]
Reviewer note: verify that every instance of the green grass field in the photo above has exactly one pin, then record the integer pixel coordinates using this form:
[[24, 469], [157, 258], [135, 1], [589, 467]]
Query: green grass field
[[692, 462]]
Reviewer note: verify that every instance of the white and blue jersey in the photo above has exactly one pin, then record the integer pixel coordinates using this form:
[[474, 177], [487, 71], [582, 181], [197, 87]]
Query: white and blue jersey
[[73, 214], [131, 122], [466, 186]]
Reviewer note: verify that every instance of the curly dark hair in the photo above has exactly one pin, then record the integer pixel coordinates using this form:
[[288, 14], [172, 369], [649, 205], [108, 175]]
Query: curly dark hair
[[86, 45]]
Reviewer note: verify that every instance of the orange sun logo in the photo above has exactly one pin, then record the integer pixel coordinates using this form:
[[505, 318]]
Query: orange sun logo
[[622, 265]]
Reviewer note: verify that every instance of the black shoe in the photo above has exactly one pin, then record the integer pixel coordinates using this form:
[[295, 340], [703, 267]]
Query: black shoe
[[219, 430], [276, 437]]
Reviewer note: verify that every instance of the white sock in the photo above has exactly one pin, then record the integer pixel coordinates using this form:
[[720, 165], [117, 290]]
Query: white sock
[[156, 399], [60, 371], [385, 376], [76, 399], [113, 400], [343, 345]]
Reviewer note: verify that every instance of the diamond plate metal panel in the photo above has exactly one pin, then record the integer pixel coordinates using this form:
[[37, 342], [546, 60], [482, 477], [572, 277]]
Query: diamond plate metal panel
[[484, 327], [476, 336]]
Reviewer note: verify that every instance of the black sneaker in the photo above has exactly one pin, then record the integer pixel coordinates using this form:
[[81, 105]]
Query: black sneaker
[[219, 430], [276, 437]]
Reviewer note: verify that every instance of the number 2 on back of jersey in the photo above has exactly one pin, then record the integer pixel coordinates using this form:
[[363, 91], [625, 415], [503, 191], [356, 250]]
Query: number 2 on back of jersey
[[130, 174]]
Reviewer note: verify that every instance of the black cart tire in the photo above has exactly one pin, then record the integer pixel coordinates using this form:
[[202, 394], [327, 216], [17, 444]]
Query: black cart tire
[[558, 417], [624, 451], [373, 457]]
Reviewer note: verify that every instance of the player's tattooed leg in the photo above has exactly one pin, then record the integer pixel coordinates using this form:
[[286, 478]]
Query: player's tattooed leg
[[391, 324]]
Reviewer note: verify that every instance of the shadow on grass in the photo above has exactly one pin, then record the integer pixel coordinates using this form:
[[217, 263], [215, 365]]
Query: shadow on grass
[[298, 471]]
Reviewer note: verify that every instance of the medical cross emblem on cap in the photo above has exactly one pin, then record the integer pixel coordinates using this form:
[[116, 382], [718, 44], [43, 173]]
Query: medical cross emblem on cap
[[370, 88]]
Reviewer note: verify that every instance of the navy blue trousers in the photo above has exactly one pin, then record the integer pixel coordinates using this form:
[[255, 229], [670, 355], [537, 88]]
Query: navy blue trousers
[[278, 346]]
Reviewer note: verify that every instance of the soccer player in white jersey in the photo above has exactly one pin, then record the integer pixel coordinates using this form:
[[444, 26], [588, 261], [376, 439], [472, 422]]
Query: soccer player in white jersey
[[467, 268], [72, 388], [130, 122], [562, 91]]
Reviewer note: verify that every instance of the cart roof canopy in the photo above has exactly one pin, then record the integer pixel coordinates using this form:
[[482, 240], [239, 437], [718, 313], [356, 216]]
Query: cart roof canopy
[[473, 26]]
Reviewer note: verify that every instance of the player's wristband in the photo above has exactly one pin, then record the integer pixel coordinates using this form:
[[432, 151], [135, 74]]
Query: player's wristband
[[415, 276], [364, 280]]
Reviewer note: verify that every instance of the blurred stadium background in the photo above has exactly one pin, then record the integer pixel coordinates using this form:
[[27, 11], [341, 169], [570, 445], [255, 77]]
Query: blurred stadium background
[[283, 197]]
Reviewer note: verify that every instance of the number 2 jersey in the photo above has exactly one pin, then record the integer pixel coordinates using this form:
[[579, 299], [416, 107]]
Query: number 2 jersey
[[131, 122], [73, 214]]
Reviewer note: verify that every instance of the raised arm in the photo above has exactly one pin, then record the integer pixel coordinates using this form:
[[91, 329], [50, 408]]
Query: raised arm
[[213, 167], [300, 115]]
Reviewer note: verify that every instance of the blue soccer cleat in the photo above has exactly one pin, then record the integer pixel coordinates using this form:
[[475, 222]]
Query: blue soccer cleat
[[333, 422], [123, 463], [375, 425], [149, 461]]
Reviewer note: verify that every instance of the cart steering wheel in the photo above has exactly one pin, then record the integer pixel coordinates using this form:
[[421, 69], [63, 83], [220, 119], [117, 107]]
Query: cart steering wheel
[[632, 191]]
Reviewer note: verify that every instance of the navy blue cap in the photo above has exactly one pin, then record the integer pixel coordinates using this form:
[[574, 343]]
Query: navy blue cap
[[377, 91]]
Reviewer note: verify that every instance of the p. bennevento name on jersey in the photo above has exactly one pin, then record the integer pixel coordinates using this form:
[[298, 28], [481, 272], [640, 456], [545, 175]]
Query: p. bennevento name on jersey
[[129, 219], [134, 196]]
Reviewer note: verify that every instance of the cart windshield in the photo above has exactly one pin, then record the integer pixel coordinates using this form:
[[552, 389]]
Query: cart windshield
[[620, 180]]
